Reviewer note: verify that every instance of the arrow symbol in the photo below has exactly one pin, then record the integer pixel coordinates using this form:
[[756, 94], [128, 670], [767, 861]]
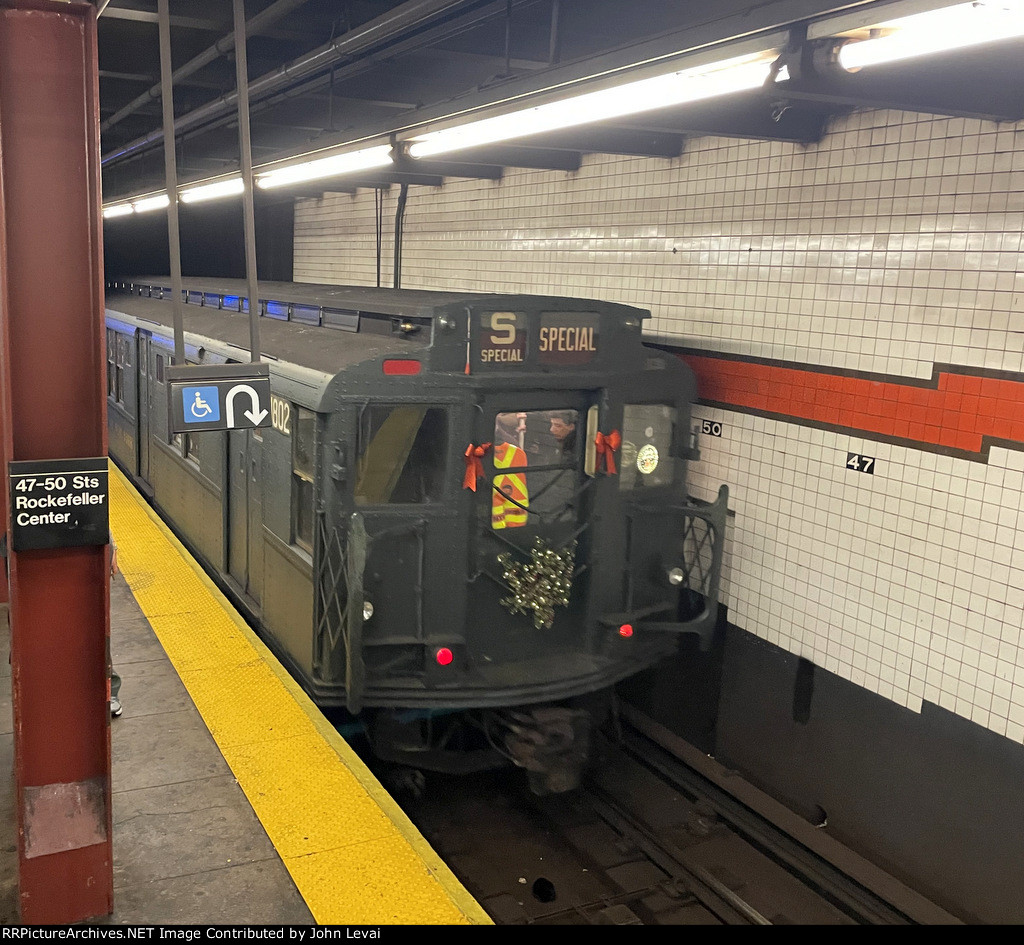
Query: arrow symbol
[[255, 414]]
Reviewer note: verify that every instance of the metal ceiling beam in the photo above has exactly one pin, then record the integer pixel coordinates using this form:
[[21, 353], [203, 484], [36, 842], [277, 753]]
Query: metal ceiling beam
[[753, 116], [526, 65], [223, 45], [145, 16], [990, 89], [450, 169], [125, 76], [316, 95], [609, 139], [396, 177], [405, 22], [512, 155]]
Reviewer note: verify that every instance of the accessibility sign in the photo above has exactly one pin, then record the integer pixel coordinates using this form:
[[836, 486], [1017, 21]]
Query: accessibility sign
[[218, 397]]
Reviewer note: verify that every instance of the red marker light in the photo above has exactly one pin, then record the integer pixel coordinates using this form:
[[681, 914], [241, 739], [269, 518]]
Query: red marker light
[[626, 630], [444, 656], [402, 366]]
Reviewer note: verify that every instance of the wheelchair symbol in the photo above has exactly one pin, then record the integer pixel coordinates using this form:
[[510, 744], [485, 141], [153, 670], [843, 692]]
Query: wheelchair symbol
[[200, 408], [200, 404]]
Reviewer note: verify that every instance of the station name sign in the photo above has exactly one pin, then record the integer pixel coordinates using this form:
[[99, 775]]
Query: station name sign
[[59, 503], [218, 397]]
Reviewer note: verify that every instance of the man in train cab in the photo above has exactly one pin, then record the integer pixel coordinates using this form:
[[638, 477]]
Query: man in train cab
[[554, 490], [509, 496], [563, 429]]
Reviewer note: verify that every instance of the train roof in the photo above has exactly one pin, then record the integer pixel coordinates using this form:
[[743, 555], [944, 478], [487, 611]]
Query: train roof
[[331, 328], [409, 303], [312, 346]]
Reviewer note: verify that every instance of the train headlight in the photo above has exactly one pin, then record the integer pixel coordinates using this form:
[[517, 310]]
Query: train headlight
[[676, 576], [367, 610]]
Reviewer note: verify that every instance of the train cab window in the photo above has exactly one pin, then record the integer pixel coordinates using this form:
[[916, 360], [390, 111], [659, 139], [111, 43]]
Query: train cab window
[[534, 438], [303, 467], [401, 456], [647, 459]]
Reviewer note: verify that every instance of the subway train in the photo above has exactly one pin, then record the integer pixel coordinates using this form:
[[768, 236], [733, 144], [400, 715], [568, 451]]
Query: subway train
[[463, 520]]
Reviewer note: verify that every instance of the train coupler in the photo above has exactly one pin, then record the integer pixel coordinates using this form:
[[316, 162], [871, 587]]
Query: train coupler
[[552, 743]]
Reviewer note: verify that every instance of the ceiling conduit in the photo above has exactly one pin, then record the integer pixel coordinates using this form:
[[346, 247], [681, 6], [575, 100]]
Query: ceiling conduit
[[414, 15], [223, 45]]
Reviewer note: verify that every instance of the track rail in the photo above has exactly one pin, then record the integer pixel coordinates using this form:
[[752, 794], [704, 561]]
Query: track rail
[[651, 839]]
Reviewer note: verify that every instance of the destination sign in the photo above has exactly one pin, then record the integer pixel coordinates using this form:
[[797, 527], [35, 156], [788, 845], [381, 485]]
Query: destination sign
[[502, 338], [567, 338], [59, 503]]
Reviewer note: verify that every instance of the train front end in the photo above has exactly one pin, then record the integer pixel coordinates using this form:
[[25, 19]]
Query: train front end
[[507, 532]]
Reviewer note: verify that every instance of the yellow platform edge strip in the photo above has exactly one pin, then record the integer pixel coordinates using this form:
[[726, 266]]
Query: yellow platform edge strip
[[347, 882]]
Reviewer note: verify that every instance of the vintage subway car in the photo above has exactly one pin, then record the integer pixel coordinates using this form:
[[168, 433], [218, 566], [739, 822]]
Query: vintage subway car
[[467, 520]]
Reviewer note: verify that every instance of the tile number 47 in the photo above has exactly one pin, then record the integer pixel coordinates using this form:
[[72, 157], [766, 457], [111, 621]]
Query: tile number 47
[[864, 464]]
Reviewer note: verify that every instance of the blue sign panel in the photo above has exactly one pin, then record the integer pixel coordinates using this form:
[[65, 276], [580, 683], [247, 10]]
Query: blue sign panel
[[200, 404]]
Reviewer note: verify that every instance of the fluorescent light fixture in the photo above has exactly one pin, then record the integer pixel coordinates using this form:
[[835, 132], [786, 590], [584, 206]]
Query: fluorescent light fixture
[[117, 210], [365, 159], [157, 202], [955, 27], [676, 88], [221, 188]]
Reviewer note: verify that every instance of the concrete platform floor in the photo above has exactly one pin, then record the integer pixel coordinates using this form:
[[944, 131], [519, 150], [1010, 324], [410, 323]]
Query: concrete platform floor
[[188, 848]]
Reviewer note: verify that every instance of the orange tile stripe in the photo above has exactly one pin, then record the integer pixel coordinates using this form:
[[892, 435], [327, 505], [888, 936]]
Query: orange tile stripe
[[957, 413]]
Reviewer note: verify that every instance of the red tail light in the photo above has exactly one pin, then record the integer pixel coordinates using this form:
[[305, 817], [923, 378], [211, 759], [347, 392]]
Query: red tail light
[[444, 656], [402, 366], [626, 630]]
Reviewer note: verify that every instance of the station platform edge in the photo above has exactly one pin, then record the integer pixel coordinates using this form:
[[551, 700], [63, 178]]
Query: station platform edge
[[353, 854]]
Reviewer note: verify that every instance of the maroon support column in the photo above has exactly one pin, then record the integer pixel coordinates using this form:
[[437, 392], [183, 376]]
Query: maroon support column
[[53, 406]]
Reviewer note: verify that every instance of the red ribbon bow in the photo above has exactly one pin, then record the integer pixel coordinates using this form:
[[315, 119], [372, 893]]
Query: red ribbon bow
[[607, 444], [474, 468]]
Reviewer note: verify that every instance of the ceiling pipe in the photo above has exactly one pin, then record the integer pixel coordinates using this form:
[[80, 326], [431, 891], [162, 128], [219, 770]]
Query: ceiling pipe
[[409, 16], [225, 44]]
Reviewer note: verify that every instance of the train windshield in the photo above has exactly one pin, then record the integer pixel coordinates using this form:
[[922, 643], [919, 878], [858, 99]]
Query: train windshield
[[540, 450], [647, 459], [401, 454]]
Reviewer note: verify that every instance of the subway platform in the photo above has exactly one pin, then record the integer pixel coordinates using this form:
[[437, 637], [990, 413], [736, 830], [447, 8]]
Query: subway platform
[[234, 801]]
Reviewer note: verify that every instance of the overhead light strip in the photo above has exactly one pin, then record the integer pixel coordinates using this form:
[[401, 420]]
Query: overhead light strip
[[727, 76], [958, 27], [156, 202], [362, 160], [117, 210], [230, 187]]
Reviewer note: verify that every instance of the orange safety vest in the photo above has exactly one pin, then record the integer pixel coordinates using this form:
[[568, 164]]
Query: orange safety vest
[[504, 513]]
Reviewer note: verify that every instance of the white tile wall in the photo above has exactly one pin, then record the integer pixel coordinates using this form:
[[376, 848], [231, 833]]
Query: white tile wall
[[890, 246]]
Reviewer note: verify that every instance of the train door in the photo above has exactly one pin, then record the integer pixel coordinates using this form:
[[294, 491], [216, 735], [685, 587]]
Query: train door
[[145, 402], [401, 491], [238, 507], [255, 518]]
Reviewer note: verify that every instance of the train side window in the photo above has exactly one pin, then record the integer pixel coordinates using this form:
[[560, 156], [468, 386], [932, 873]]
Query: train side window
[[188, 448], [303, 466], [111, 361], [647, 458], [122, 359], [160, 368], [402, 452]]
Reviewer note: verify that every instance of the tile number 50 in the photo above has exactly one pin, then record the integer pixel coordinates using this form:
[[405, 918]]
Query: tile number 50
[[864, 464]]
